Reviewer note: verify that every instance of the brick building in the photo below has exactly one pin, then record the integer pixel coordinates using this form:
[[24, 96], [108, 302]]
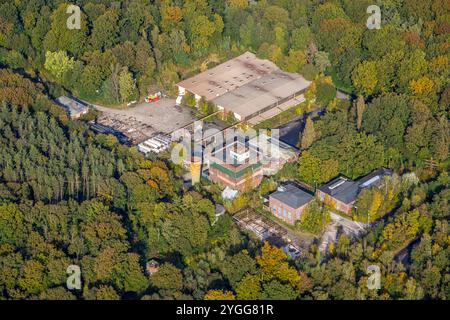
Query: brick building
[[341, 193], [236, 165], [288, 202]]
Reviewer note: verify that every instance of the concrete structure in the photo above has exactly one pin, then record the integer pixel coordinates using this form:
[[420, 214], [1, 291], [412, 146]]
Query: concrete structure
[[229, 194], [99, 128], [288, 202], [226, 77], [338, 227], [274, 153], [262, 227], [74, 107], [247, 86], [263, 94], [341, 193], [155, 144]]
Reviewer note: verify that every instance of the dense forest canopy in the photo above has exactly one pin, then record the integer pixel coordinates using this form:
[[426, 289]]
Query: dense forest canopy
[[69, 196]]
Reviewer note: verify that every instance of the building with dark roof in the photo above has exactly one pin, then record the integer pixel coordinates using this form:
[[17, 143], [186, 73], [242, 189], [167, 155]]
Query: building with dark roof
[[374, 178], [341, 193], [288, 202]]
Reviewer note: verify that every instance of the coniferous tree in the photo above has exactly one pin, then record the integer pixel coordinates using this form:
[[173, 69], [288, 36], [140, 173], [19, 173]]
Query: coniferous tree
[[308, 134]]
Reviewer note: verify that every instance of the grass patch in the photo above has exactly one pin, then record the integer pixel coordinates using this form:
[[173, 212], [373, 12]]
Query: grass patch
[[99, 100], [283, 117], [339, 213]]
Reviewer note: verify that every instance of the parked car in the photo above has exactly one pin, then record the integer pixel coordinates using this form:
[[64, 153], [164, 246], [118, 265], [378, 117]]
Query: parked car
[[291, 251], [153, 97]]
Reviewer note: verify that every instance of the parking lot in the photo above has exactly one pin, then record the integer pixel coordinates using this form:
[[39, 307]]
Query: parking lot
[[144, 120]]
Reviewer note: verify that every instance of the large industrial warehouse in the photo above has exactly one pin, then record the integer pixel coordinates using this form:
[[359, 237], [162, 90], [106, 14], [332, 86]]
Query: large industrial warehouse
[[253, 89]]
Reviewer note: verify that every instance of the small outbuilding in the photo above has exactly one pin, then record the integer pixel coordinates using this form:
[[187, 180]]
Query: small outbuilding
[[75, 108], [152, 267]]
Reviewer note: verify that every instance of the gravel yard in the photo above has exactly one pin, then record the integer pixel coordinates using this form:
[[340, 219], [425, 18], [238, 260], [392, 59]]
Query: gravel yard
[[144, 120]]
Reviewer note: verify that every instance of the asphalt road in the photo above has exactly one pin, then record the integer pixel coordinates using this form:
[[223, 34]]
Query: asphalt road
[[289, 132]]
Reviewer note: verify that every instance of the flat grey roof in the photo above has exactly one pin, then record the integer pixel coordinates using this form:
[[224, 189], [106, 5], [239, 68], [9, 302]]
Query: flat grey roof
[[223, 152], [292, 195], [261, 93], [246, 85], [73, 106], [228, 76]]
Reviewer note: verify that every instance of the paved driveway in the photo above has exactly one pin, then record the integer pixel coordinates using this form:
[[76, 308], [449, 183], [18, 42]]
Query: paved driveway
[[289, 132], [352, 229], [161, 116]]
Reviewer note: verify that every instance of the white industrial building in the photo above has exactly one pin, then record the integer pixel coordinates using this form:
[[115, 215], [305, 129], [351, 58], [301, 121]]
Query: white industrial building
[[252, 89], [155, 144]]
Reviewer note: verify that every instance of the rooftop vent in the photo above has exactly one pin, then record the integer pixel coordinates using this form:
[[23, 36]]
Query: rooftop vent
[[370, 181], [337, 184]]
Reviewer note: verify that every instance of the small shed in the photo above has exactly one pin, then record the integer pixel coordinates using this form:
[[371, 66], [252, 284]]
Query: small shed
[[74, 107], [229, 194], [219, 210]]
